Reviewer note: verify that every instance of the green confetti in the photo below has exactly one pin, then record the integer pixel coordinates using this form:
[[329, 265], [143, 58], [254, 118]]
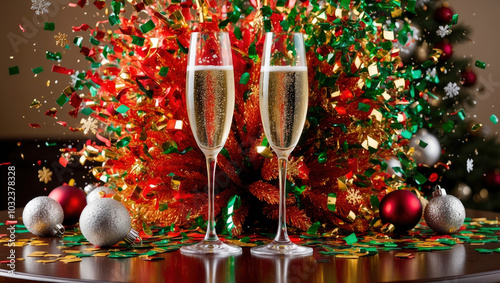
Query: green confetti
[[332, 200], [494, 119], [448, 126], [13, 70], [122, 109], [137, 40], [314, 228], [49, 26], [422, 144], [322, 158], [480, 64], [56, 56], [114, 19], [244, 78], [37, 70], [87, 111], [406, 134], [351, 239], [454, 19], [146, 27], [364, 107], [63, 99], [163, 71], [123, 142]]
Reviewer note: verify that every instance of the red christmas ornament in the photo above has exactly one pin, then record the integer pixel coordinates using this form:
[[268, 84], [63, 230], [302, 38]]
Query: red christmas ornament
[[443, 15], [447, 48], [402, 209], [468, 77], [72, 200], [492, 179]]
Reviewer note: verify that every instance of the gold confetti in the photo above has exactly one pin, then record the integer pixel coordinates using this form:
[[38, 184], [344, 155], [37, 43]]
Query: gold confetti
[[37, 254], [101, 254], [348, 256], [71, 260], [51, 255], [44, 261], [45, 175]]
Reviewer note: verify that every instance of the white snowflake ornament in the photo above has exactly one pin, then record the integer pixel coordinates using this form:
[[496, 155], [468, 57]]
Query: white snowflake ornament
[[353, 197], [40, 6], [470, 165], [451, 90], [443, 31], [89, 125]]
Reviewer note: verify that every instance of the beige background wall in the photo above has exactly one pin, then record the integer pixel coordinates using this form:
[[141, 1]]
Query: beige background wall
[[28, 51]]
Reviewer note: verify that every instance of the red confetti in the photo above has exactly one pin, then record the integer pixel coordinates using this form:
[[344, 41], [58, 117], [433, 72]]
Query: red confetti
[[39, 162], [83, 27], [62, 70], [21, 27], [10, 222], [99, 4], [34, 125], [103, 139], [81, 3], [75, 100], [5, 163], [63, 161], [433, 178], [62, 123], [51, 112]]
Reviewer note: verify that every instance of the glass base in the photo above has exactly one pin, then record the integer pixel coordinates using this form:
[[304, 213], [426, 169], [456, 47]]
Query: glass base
[[211, 247], [282, 248]]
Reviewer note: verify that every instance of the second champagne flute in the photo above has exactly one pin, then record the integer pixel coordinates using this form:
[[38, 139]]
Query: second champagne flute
[[283, 102], [210, 105]]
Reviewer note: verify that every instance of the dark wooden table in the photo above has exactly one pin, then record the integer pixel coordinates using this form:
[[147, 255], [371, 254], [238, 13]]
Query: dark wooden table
[[460, 264]]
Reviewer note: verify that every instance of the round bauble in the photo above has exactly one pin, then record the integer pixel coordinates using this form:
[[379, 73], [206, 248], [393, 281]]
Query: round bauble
[[72, 201], [105, 222], [462, 191], [99, 192], [447, 49], [444, 213], [391, 164], [443, 15], [468, 77], [43, 216], [402, 209], [492, 179], [427, 148], [407, 50]]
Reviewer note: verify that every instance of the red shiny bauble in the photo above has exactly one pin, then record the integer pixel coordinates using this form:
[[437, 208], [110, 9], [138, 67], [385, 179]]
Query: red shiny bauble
[[72, 200], [443, 15], [492, 179], [402, 209], [468, 77], [447, 48]]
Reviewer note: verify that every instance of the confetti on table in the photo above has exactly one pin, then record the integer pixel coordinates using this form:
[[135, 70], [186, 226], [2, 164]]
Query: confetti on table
[[45, 175]]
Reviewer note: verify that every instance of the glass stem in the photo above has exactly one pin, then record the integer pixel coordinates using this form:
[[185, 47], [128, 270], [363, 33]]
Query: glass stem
[[211, 235], [282, 235]]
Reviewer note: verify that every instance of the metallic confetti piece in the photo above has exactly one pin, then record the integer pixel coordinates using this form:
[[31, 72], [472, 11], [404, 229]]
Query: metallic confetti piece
[[494, 119], [480, 64]]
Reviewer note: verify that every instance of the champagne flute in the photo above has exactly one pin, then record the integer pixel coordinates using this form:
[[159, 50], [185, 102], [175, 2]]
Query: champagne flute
[[283, 101], [210, 105]]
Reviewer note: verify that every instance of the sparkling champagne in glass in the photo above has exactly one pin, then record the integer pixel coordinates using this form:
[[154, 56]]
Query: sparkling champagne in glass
[[283, 102], [210, 105]]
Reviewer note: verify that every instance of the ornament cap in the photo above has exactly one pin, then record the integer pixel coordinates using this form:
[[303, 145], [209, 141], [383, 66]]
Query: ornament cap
[[58, 230], [438, 191], [132, 236], [89, 188]]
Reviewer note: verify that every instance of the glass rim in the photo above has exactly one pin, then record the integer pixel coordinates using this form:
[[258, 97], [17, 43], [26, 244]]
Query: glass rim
[[209, 32], [284, 33]]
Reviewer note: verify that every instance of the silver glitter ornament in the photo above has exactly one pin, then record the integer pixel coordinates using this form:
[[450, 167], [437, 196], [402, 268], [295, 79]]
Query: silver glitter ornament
[[43, 216], [89, 188], [427, 148], [98, 193], [105, 222], [444, 213]]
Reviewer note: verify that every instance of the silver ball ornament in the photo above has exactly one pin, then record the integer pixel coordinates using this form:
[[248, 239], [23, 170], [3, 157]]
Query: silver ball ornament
[[43, 216], [429, 154], [105, 222], [444, 213], [391, 163], [89, 188], [98, 193]]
